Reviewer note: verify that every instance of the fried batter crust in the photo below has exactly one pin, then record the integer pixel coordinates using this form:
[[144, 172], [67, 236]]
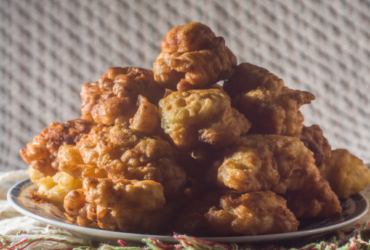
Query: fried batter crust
[[125, 154], [263, 162], [124, 205], [54, 189], [313, 138], [41, 154], [346, 174], [265, 101], [234, 214], [193, 57], [35, 175], [112, 100], [316, 200], [146, 119], [198, 117], [71, 162], [74, 201]]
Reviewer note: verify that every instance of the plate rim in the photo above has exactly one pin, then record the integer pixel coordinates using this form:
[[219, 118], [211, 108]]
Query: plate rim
[[166, 238]]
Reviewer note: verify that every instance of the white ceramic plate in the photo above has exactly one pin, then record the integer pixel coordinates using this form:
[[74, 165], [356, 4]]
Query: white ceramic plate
[[353, 209]]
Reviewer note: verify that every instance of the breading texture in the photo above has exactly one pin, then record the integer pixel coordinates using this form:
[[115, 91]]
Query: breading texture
[[74, 201], [146, 119], [76, 209], [252, 213], [263, 162], [199, 117], [71, 162], [41, 154], [193, 57], [54, 189], [123, 205], [346, 174], [124, 154], [316, 200], [313, 138], [35, 175], [264, 100], [113, 99]]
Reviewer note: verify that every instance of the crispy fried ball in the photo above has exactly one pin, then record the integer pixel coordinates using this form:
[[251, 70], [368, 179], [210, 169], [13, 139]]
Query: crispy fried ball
[[54, 189], [252, 213], [265, 101], [315, 200], [346, 174], [193, 57], [313, 138], [198, 117], [124, 154], [113, 99], [41, 154], [123, 205], [77, 210], [74, 201], [263, 162], [85, 214]]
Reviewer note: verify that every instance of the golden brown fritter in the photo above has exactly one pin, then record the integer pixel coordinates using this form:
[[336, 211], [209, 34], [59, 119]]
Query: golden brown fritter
[[146, 119], [265, 101], [263, 162], [113, 100], [77, 210], [315, 200], [35, 175], [74, 201], [313, 138], [234, 214], [41, 154], [346, 174], [199, 117], [54, 189], [71, 162], [125, 154], [124, 205], [193, 57]]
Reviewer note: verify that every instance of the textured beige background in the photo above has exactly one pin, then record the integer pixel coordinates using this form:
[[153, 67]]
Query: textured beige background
[[48, 49]]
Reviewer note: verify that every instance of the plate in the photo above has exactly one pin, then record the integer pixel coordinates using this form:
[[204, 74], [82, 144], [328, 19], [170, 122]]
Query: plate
[[354, 208]]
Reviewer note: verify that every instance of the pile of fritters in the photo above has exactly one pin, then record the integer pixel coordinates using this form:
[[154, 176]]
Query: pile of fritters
[[171, 150]]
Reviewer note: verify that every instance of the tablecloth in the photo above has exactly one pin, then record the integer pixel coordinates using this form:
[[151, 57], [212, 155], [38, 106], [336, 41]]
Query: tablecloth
[[23, 233]]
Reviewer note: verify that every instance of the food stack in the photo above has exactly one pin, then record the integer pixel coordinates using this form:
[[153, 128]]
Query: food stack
[[171, 150]]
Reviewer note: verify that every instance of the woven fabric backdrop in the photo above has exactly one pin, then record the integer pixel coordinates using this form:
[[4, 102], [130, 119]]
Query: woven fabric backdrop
[[48, 49]]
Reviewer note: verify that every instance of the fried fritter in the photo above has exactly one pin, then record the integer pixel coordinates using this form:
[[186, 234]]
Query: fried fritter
[[232, 214], [124, 205], [71, 162], [113, 100], [193, 57], [199, 117], [54, 189], [35, 175], [313, 138], [265, 101], [146, 119], [346, 174], [315, 200], [125, 154], [74, 201], [263, 162], [77, 210], [41, 154]]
